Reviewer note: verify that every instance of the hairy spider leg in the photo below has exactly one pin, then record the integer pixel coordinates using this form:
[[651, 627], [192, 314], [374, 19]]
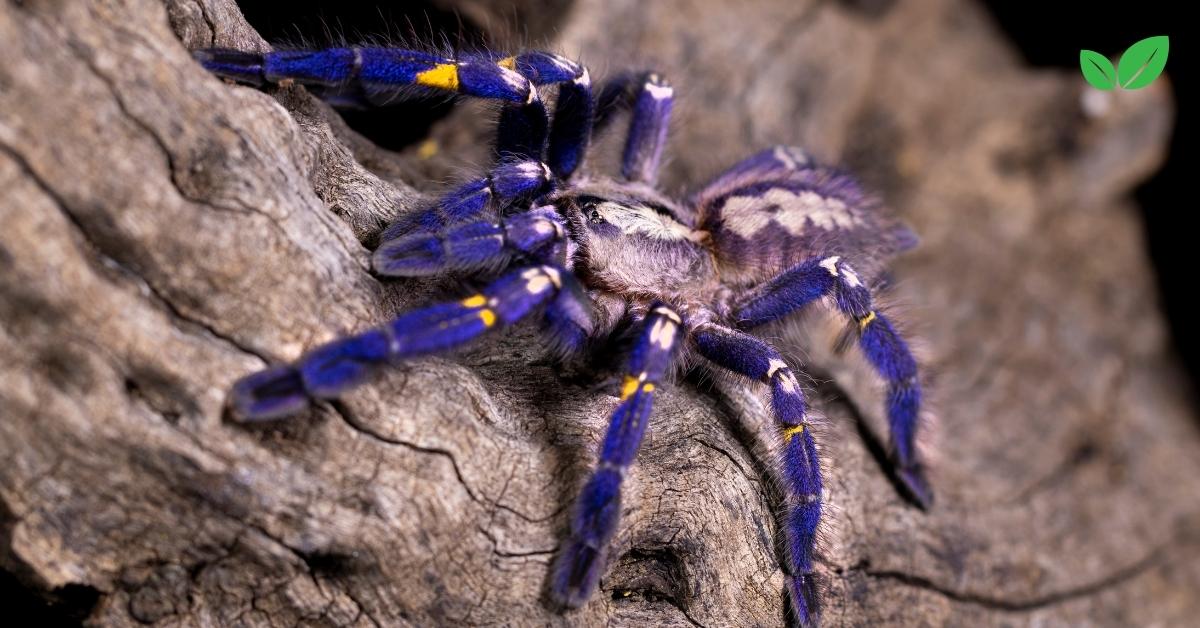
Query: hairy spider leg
[[571, 129], [798, 464], [474, 246], [538, 235], [598, 507], [878, 339], [648, 124], [524, 128], [508, 183], [649, 98], [358, 76], [371, 70], [334, 368], [570, 319]]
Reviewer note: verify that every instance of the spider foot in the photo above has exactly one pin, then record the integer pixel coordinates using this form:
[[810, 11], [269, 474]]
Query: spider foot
[[802, 590], [916, 485], [570, 319], [235, 65], [269, 394], [580, 564], [577, 574]]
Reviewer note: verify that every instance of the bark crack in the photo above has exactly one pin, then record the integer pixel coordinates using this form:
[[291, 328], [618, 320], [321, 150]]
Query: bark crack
[[108, 261], [1114, 579], [348, 418]]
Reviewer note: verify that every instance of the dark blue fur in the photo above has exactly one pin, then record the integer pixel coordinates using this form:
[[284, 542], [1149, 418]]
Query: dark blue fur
[[800, 468], [522, 131], [887, 351], [509, 182], [570, 318], [371, 69], [883, 347], [570, 131], [786, 293], [597, 509], [243, 67], [472, 246], [768, 233], [331, 369], [269, 394], [320, 67], [647, 131], [572, 128], [465, 202]]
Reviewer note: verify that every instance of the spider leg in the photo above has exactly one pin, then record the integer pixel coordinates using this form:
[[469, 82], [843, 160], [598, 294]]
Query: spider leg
[[362, 76], [538, 235], [333, 368], [571, 130], [598, 507], [570, 319], [649, 98], [800, 469], [523, 129], [878, 339], [472, 246], [508, 182], [376, 73], [647, 130]]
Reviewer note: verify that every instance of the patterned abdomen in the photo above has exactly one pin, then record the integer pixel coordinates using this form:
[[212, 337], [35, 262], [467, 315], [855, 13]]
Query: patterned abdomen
[[777, 208]]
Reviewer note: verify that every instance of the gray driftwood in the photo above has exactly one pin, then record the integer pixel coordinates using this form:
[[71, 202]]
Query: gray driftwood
[[163, 233]]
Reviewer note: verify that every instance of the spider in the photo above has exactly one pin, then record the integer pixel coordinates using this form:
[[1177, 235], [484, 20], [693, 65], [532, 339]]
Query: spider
[[597, 256]]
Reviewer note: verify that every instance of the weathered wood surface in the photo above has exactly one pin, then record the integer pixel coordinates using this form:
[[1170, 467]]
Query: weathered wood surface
[[164, 233]]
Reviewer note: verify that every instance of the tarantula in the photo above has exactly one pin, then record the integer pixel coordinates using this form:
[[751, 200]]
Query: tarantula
[[596, 255]]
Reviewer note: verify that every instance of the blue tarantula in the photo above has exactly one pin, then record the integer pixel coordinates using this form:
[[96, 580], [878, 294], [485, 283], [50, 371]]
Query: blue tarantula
[[595, 254]]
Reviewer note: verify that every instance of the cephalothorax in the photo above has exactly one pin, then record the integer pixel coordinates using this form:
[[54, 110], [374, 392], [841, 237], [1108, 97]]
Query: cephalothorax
[[588, 254]]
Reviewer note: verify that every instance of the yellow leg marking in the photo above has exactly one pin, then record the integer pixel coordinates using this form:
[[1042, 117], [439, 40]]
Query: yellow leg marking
[[508, 63], [647, 387], [866, 320], [791, 432], [443, 75], [427, 149], [628, 387], [488, 317], [474, 301]]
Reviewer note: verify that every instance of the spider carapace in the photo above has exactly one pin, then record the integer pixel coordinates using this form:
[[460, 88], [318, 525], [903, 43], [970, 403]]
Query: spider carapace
[[591, 255]]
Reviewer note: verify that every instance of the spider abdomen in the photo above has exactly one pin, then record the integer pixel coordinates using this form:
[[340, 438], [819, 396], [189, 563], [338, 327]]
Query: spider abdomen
[[778, 208]]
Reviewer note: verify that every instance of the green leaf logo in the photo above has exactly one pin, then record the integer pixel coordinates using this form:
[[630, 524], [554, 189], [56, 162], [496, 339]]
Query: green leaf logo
[[1097, 70], [1139, 66], [1143, 62]]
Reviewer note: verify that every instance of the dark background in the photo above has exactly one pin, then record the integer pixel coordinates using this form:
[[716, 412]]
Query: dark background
[[1053, 39]]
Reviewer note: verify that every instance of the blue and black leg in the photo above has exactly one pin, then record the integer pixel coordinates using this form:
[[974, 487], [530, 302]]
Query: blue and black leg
[[571, 130], [798, 466], [375, 73], [486, 198], [334, 368], [525, 128], [649, 98], [538, 234], [877, 337], [363, 76], [598, 507]]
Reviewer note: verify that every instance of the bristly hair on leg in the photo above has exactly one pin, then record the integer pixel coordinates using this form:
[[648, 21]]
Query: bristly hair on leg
[[598, 259]]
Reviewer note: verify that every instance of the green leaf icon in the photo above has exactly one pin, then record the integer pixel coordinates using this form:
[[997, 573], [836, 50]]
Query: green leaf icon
[[1143, 62], [1097, 70]]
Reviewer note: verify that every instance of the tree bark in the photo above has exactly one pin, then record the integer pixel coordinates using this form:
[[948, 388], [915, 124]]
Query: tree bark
[[165, 233]]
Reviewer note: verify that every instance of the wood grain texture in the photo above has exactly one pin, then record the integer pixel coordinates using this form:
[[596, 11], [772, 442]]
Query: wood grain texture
[[165, 233]]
